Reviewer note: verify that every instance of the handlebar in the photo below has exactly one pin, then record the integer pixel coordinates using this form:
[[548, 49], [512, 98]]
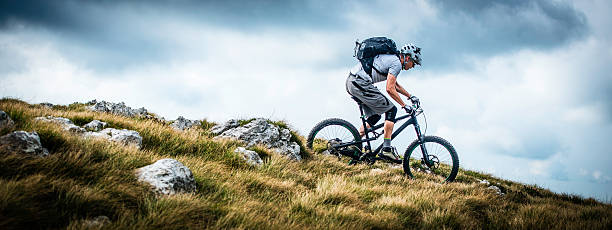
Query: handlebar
[[417, 108], [418, 111]]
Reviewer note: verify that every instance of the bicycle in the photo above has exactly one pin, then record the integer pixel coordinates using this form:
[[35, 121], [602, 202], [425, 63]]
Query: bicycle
[[339, 137]]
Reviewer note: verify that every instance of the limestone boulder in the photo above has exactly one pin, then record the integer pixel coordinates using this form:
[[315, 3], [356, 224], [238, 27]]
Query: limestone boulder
[[124, 136], [5, 121], [118, 109], [64, 122], [260, 131], [182, 123], [496, 189], [220, 128], [491, 187], [95, 125], [484, 181], [167, 177], [47, 105], [22, 142], [251, 157]]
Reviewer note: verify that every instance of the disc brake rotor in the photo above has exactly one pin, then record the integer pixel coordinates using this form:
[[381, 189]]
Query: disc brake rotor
[[435, 162]]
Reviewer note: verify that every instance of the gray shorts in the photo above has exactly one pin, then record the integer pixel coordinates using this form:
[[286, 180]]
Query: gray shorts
[[374, 102]]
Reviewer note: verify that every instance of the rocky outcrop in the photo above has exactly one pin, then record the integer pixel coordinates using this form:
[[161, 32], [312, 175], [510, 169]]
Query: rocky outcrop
[[168, 177], [251, 157], [124, 136], [220, 128], [22, 142], [5, 121], [182, 123], [260, 131], [118, 109], [95, 125], [64, 122]]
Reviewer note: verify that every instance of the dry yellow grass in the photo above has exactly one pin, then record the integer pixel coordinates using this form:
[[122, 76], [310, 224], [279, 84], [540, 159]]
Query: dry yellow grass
[[85, 178]]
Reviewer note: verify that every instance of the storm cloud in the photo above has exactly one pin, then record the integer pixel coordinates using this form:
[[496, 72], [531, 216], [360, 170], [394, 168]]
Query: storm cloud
[[451, 33]]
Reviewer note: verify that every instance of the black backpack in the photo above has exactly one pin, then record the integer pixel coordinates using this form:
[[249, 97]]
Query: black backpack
[[366, 50]]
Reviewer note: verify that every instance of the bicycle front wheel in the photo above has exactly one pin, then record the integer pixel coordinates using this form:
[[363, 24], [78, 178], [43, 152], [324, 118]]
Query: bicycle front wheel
[[443, 160], [332, 129]]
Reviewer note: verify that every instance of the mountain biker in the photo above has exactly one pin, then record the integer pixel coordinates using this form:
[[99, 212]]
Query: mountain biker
[[360, 85]]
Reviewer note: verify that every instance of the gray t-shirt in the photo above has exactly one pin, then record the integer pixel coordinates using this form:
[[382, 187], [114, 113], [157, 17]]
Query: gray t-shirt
[[386, 63]]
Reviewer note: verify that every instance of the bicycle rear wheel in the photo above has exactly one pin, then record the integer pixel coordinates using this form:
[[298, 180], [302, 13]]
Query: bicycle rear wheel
[[445, 162], [332, 129]]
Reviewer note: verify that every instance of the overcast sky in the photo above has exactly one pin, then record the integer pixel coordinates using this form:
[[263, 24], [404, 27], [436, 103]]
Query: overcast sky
[[521, 88]]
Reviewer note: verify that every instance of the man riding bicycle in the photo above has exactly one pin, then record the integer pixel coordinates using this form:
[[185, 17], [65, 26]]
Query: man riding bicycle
[[386, 67]]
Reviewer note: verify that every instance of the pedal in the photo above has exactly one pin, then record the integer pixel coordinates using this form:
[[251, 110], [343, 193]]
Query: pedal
[[395, 155]]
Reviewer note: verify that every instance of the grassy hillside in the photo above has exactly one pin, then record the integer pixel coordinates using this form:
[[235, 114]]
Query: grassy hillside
[[88, 178]]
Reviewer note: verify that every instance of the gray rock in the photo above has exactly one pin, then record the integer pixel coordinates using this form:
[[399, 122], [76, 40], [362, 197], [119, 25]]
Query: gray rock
[[64, 122], [484, 181], [260, 131], [251, 157], [168, 177], [5, 121], [98, 134], [496, 189], [22, 142], [118, 109], [95, 125], [124, 136], [47, 105], [96, 222], [218, 129], [182, 123]]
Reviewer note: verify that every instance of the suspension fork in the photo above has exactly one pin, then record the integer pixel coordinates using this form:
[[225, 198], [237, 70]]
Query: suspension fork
[[421, 139]]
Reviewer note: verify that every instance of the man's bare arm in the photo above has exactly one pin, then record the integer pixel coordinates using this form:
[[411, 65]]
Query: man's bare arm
[[401, 90], [392, 89]]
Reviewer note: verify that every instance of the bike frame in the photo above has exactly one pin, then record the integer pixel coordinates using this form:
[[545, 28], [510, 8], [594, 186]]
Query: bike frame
[[411, 121]]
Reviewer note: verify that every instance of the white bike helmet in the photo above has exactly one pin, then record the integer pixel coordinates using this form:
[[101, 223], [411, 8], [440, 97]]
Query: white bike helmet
[[413, 52]]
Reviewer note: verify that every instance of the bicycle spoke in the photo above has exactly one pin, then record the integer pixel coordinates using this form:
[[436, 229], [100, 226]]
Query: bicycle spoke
[[333, 132]]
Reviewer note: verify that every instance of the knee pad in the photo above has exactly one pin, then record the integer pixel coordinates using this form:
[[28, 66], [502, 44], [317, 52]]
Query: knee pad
[[390, 115], [373, 119]]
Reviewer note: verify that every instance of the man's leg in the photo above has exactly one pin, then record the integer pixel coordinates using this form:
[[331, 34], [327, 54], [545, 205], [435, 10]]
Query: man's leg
[[389, 122], [372, 120], [388, 129], [362, 130]]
